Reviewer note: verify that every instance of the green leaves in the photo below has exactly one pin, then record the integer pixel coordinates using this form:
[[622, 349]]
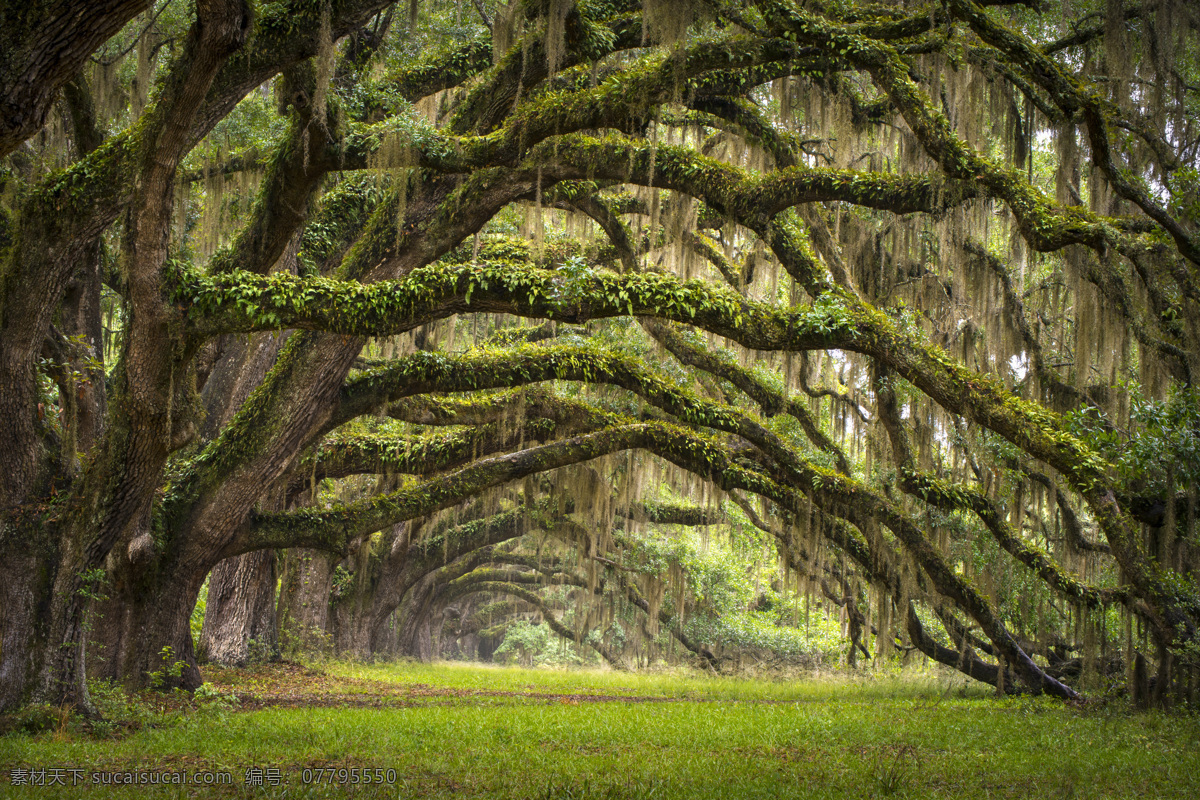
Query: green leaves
[[238, 301]]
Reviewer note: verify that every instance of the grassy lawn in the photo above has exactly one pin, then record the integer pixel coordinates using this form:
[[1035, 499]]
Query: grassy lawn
[[449, 730]]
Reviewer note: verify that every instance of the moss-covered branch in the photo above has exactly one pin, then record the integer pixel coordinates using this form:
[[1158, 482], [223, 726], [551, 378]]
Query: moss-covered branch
[[527, 403], [770, 400], [45, 45], [1072, 97], [240, 302], [337, 527], [293, 176], [961, 497], [366, 453]]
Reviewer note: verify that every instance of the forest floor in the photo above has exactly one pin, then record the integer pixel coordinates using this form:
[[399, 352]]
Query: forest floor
[[453, 730]]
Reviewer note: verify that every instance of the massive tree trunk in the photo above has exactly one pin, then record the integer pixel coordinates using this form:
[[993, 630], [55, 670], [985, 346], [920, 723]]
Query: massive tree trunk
[[415, 637], [58, 227], [385, 643], [306, 580], [118, 495], [239, 618], [349, 621], [141, 634], [24, 592]]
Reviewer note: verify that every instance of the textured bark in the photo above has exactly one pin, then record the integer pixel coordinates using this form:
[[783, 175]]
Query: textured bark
[[303, 611], [44, 45], [24, 587], [144, 629], [239, 619], [243, 364], [390, 586], [385, 644], [144, 431], [415, 635], [349, 619]]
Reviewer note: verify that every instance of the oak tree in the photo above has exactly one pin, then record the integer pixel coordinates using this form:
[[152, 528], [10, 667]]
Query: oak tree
[[909, 288]]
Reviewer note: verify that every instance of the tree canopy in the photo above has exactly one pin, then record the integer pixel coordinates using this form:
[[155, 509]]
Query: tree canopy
[[492, 300]]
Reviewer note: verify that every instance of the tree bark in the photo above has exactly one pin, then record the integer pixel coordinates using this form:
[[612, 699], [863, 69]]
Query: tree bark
[[414, 639], [303, 611], [146, 430], [45, 43], [239, 619], [144, 629], [24, 591]]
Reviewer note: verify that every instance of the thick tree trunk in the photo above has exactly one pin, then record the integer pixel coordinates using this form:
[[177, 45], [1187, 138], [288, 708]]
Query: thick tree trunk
[[164, 622], [117, 496], [359, 619], [303, 609], [351, 622], [390, 586], [239, 620], [414, 638], [24, 594], [142, 635], [385, 641]]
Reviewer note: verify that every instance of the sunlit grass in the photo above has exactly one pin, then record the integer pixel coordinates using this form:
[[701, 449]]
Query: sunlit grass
[[675, 736], [680, 685]]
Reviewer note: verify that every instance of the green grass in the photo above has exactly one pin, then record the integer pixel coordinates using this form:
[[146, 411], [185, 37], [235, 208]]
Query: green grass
[[470, 731], [679, 685]]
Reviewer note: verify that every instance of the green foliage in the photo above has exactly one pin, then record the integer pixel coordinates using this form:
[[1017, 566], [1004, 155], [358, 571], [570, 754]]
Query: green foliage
[[33, 719], [343, 580], [731, 585], [196, 622], [170, 671], [1167, 442], [523, 642], [94, 584], [212, 697], [1185, 193]]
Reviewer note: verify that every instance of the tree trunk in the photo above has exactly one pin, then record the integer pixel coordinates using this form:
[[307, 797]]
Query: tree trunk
[[414, 639], [239, 620], [385, 641], [24, 593], [351, 625], [303, 615], [142, 635]]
